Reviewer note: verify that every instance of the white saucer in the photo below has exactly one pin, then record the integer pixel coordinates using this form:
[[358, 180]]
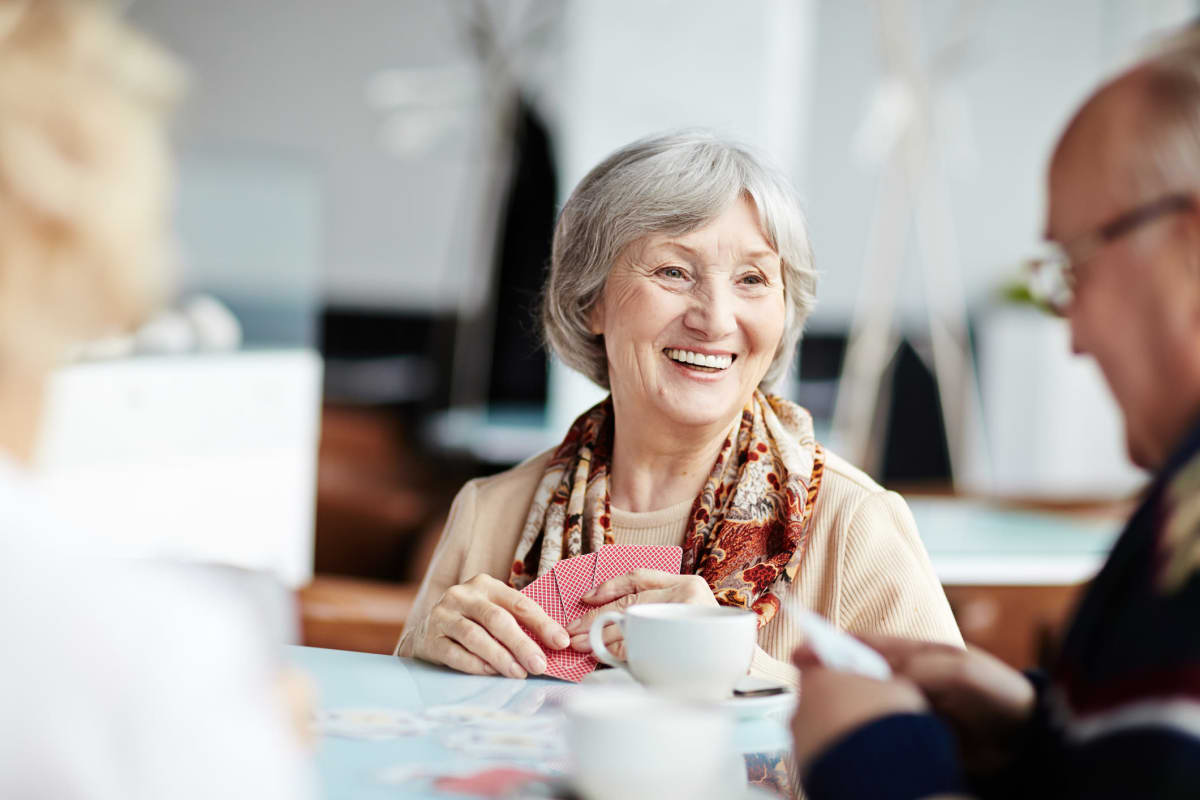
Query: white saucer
[[742, 708]]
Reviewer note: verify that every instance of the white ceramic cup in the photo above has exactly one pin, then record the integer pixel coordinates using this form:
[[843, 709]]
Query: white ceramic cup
[[627, 744], [689, 651]]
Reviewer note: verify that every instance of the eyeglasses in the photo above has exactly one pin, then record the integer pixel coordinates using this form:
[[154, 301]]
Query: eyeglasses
[[1051, 278]]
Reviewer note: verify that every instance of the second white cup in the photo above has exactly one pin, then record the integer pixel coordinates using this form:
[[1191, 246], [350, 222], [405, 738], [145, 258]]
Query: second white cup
[[628, 744]]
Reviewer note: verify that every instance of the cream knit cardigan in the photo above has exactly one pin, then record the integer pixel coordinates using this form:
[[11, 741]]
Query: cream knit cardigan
[[864, 569]]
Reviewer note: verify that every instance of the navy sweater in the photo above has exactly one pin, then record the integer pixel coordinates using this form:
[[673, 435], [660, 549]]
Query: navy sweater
[[1119, 715]]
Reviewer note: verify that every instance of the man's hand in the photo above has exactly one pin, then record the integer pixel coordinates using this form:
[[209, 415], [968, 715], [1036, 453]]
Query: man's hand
[[984, 700], [473, 628], [833, 704], [639, 586]]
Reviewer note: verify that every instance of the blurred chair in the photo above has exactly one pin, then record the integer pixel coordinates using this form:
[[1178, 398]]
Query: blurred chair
[[354, 613], [1020, 625], [381, 505], [370, 502], [1013, 570]]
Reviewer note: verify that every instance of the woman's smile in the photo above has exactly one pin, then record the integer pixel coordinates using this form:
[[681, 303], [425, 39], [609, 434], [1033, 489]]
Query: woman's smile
[[698, 361], [692, 322]]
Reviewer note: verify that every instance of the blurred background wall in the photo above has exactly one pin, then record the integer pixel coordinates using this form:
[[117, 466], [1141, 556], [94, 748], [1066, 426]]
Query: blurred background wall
[[288, 84], [358, 157], [375, 181]]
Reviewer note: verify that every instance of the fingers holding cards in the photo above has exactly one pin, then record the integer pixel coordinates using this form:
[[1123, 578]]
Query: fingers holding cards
[[532, 615], [655, 585], [457, 657], [560, 592], [837, 649], [640, 586], [486, 644], [451, 637], [474, 628], [565, 663], [614, 640], [498, 614]]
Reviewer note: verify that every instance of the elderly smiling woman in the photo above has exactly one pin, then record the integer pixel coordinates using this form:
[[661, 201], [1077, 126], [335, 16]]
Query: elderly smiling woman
[[680, 280]]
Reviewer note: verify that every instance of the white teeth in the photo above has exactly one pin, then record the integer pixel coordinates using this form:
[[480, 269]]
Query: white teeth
[[699, 359]]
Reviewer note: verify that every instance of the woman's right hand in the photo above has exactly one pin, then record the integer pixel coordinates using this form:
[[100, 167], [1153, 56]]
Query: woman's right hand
[[474, 629]]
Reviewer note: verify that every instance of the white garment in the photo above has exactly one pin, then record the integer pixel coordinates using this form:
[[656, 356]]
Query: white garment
[[131, 680]]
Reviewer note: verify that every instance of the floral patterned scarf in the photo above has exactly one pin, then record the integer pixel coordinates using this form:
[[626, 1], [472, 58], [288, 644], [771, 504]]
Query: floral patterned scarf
[[748, 526]]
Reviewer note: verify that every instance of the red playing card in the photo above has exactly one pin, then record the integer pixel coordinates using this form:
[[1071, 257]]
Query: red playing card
[[573, 576], [566, 664], [614, 560], [495, 782], [569, 665], [545, 594]]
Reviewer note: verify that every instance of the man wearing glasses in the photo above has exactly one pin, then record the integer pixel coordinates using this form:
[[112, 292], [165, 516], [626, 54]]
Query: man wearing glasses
[[1118, 715]]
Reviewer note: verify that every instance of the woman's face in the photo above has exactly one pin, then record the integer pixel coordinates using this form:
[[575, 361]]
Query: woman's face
[[692, 322]]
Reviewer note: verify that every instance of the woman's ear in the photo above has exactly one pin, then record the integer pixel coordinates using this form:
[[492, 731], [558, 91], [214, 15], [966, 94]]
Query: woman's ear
[[596, 317]]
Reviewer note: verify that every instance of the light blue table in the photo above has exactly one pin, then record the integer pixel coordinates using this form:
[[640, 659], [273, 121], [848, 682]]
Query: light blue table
[[973, 542], [351, 768]]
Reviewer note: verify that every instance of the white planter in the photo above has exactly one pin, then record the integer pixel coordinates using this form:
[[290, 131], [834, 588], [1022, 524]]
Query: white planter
[[208, 457], [1053, 428]]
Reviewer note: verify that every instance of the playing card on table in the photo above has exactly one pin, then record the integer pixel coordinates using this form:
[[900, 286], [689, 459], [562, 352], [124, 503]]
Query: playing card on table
[[614, 560], [520, 745], [369, 723], [468, 716], [490, 782]]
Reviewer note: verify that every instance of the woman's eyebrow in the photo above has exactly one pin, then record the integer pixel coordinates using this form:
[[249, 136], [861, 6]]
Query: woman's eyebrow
[[679, 246], [755, 255], [751, 255]]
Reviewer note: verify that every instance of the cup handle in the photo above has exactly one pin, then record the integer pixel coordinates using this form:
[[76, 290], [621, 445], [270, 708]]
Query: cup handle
[[596, 636]]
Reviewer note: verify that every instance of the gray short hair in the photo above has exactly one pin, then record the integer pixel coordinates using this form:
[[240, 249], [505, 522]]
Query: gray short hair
[[671, 183], [1168, 157]]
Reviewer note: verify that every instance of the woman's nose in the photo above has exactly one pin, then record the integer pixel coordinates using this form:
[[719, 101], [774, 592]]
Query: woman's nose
[[712, 313]]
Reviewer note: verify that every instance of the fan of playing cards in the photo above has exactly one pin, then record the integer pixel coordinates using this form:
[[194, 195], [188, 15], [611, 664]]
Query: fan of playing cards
[[559, 590]]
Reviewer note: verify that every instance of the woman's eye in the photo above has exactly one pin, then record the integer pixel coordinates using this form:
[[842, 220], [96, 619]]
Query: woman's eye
[[672, 272], [753, 279]]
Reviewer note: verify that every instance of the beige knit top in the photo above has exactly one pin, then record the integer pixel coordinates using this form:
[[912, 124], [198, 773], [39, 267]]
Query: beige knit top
[[864, 568]]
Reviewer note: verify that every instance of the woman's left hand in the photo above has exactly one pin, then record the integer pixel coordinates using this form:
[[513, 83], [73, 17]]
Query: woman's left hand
[[639, 586]]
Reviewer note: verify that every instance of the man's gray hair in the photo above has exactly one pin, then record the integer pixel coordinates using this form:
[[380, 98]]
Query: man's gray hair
[[1169, 156], [671, 184]]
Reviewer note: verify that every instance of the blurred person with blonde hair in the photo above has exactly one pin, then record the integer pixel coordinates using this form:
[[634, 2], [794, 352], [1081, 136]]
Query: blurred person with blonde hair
[[1118, 713], [119, 679]]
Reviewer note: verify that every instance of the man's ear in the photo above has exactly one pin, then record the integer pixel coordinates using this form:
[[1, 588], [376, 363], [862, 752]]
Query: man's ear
[[1191, 250]]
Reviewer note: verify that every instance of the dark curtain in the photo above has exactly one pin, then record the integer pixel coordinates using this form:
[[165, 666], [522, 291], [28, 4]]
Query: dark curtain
[[518, 373]]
